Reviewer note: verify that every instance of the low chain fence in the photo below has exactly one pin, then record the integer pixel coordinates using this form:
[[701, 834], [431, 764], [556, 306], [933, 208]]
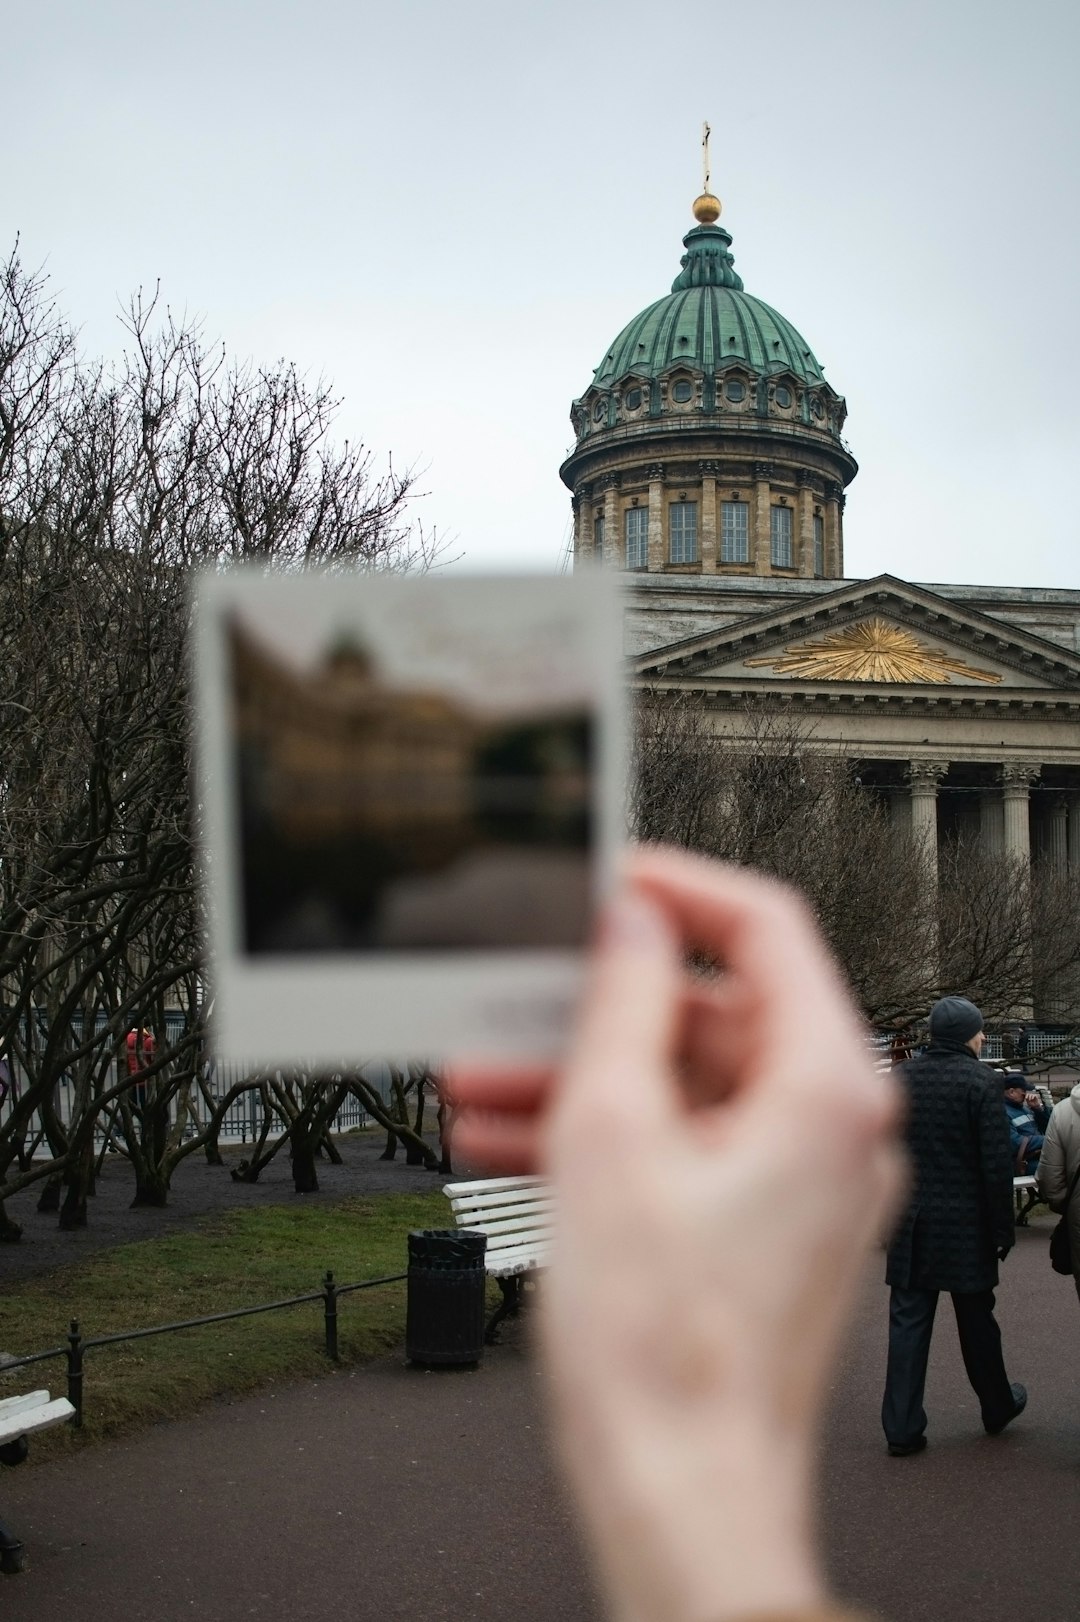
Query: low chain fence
[[77, 1345]]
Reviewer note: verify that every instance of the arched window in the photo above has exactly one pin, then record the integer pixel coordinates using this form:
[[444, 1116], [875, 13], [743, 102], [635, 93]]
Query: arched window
[[637, 537], [734, 532], [780, 537], [682, 530]]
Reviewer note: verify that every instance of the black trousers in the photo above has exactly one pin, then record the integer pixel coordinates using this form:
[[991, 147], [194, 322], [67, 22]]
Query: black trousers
[[911, 1324]]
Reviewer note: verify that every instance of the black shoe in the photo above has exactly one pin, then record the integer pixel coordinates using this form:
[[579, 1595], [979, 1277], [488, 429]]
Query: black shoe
[[901, 1450], [1019, 1395]]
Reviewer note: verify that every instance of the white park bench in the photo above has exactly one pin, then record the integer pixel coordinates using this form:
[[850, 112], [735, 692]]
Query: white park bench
[[1026, 1194], [515, 1214], [19, 1418]]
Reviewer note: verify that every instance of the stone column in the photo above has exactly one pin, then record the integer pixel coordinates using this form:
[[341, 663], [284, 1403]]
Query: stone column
[[708, 537], [805, 555], [992, 821], [924, 777], [1059, 834], [582, 548], [760, 552], [1072, 1013], [613, 541], [1074, 831], [1017, 777], [656, 517], [834, 550]]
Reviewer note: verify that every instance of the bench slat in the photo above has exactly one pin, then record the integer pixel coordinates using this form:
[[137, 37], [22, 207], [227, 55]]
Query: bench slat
[[487, 1185], [14, 1405], [488, 1202], [526, 1236], [531, 1224], [504, 1263], [469, 1215], [39, 1418]]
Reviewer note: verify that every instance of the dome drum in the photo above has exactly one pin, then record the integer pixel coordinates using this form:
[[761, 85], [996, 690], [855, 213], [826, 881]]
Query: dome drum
[[732, 392]]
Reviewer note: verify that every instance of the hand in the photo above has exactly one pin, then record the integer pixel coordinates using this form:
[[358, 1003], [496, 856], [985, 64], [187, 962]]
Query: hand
[[723, 1156]]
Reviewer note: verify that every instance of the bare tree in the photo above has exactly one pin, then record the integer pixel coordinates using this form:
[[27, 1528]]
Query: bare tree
[[763, 796], [115, 483]]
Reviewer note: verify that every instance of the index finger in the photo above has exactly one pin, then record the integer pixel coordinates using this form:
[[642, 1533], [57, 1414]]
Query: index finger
[[790, 994]]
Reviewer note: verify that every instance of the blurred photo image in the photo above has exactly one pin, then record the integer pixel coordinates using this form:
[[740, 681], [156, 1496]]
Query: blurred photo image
[[411, 795]]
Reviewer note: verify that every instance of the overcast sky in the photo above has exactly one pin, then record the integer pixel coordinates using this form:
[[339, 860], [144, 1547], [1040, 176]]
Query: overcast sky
[[450, 210]]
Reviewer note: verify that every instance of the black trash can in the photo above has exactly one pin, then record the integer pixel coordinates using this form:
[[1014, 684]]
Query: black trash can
[[445, 1314]]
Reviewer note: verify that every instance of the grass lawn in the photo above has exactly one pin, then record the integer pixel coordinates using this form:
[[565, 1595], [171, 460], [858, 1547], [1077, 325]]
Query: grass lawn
[[237, 1259]]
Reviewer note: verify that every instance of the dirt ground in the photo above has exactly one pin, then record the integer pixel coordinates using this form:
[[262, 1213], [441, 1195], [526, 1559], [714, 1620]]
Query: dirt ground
[[199, 1190]]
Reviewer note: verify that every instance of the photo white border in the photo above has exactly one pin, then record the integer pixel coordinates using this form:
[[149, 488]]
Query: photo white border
[[338, 1011]]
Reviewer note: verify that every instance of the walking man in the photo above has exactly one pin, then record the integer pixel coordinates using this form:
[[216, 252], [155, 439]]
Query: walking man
[[957, 1227]]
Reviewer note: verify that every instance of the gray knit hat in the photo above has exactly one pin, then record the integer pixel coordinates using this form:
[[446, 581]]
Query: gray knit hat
[[954, 1019]]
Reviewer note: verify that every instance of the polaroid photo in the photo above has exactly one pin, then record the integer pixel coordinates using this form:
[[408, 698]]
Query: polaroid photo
[[410, 797]]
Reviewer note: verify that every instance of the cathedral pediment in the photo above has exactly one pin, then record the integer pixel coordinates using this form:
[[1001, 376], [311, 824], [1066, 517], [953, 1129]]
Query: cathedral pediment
[[875, 634]]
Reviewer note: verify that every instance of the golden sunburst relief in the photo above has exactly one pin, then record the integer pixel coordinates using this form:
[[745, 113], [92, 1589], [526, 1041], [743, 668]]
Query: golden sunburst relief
[[873, 650]]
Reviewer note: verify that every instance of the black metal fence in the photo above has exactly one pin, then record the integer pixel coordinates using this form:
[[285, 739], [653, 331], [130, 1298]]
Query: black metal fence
[[78, 1345]]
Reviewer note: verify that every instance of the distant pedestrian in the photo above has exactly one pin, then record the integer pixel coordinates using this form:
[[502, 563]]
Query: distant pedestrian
[[1023, 1043], [1028, 1120], [957, 1226], [1058, 1165], [140, 1055]]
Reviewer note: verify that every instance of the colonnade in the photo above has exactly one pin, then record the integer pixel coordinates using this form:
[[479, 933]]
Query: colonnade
[[1003, 817]]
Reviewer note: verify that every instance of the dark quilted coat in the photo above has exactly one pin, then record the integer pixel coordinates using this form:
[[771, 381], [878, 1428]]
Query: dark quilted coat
[[960, 1213]]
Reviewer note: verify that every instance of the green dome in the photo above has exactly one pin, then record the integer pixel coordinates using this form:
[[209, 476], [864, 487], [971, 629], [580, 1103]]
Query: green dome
[[708, 322]]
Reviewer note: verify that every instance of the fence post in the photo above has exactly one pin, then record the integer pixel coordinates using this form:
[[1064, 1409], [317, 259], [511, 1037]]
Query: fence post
[[75, 1371], [330, 1314]]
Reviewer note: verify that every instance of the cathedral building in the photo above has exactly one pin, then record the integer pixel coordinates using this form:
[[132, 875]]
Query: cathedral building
[[710, 466]]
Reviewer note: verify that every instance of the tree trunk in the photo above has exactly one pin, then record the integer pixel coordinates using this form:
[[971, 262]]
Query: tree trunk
[[73, 1209], [302, 1152], [390, 1152], [10, 1232], [78, 1182], [414, 1156], [446, 1122], [151, 1189], [333, 1154], [49, 1198]]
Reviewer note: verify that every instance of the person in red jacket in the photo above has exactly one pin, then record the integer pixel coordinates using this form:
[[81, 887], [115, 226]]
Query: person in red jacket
[[141, 1048]]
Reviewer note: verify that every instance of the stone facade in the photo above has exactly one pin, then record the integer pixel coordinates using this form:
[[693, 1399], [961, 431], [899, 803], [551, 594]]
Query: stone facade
[[960, 703]]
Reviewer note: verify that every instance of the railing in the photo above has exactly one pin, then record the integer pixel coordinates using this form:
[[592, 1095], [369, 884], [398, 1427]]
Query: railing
[[78, 1345], [242, 1121], [1063, 1048]]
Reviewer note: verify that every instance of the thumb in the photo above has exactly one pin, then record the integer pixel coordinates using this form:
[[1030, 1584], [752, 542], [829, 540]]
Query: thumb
[[620, 1059]]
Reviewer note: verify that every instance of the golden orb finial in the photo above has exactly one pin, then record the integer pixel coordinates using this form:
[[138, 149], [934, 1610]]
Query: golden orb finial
[[707, 208]]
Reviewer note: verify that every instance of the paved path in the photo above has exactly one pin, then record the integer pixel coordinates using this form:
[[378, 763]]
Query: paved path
[[387, 1492]]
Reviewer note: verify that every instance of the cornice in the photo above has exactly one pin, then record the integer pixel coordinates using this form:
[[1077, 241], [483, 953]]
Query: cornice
[[912, 606], [732, 694], [735, 436]]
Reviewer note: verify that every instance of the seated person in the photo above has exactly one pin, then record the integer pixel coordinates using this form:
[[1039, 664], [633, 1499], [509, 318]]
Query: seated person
[[1028, 1119]]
